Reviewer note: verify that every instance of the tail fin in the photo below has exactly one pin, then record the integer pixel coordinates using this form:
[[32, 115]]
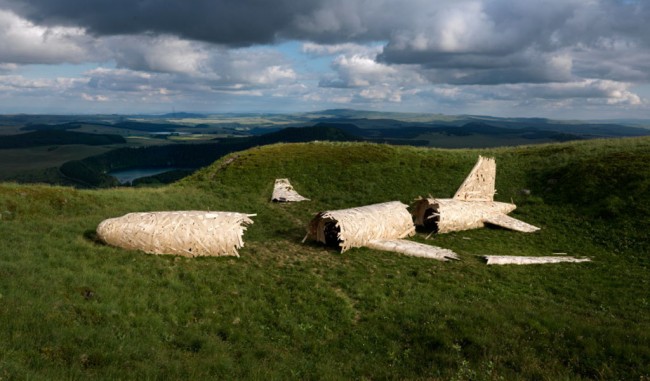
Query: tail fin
[[479, 184]]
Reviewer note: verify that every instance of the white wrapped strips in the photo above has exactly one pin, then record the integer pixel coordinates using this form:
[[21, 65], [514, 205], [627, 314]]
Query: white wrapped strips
[[454, 215], [186, 233], [479, 184], [457, 215], [514, 260], [413, 249], [284, 192], [358, 226], [473, 205], [511, 223]]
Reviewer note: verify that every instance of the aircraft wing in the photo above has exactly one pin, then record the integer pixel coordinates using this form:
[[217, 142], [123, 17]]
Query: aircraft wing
[[413, 249], [510, 223]]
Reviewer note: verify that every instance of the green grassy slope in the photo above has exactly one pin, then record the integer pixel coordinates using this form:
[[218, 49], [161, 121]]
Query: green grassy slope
[[71, 308]]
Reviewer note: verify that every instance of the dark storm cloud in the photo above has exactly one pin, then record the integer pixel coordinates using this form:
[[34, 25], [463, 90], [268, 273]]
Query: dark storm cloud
[[492, 41], [490, 26], [228, 22], [461, 51], [233, 23], [499, 27], [503, 41]]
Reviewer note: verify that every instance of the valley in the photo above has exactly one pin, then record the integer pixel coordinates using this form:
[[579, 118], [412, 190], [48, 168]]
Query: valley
[[80, 150]]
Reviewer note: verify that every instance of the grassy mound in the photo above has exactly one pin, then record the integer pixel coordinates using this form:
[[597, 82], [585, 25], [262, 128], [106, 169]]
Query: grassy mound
[[73, 308]]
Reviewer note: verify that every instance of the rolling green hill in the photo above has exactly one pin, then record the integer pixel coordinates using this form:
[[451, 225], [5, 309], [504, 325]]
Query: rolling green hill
[[44, 154], [71, 308]]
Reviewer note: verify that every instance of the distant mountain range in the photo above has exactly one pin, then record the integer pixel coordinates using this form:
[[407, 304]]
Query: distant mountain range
[[384, 120], [362, 119], [58, 137], [236, 132]]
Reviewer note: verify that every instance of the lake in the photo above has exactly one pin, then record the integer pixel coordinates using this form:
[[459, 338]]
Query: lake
[[127, 176]]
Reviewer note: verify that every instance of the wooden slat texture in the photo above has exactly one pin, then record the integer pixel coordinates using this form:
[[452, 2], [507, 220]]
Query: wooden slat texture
[[479, 184], [283, 192], [186, 233], [358, 226], [511, 223], [413, 249]]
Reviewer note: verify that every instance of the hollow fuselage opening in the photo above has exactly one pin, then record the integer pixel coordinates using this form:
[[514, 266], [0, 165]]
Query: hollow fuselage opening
[[331, 232], [431, 219]]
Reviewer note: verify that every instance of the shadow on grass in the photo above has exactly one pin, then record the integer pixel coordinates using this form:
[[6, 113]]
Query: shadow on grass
[[91, 235]]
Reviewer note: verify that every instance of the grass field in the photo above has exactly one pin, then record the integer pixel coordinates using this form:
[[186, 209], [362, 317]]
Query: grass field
[[71, 308]]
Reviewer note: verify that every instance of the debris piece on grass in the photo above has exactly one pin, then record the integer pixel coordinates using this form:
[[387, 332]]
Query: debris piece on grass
[[283, 192], [515, 260], [413, 249], [186, 233]]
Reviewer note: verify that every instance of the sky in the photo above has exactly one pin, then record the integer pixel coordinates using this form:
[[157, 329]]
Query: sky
[[562, 59]]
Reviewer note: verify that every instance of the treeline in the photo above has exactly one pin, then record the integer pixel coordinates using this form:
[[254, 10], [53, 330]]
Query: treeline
[[51, 127], [407, 135], [126, 125], [84, 174], [93, 171], [146, 126], [58, 137]]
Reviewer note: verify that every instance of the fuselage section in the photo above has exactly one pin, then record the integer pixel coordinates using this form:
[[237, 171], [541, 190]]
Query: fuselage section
[[447, 215]]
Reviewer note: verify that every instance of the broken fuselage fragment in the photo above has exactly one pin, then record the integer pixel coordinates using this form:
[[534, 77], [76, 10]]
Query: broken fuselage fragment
[[471, 207], [379, 226]]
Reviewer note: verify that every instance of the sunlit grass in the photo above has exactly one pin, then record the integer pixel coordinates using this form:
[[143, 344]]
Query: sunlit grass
[[71, 308]]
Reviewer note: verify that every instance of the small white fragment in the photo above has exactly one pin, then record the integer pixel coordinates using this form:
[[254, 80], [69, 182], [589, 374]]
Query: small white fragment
[[515, 260], [284, 192]]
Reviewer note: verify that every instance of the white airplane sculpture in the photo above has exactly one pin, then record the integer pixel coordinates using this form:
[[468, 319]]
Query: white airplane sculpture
[[471, 207], [379, 226], [384, 226]]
